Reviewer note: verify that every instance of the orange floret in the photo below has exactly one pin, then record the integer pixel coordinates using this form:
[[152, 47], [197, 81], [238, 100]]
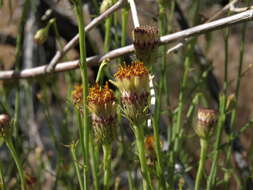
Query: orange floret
[[99, 95], [137, 68]]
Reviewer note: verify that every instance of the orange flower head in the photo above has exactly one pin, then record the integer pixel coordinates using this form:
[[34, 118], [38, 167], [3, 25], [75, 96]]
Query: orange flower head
[[77, 96], [133, 78], [133, 83], [102, 105]]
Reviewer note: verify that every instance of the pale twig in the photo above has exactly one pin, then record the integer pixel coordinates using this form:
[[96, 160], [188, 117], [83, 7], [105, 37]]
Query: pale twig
[[134, 13], [239, 9], [59, 54], [223, 10], [194, 31]]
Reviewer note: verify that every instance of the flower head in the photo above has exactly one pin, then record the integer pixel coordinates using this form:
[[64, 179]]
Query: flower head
[[102, 105], [206, 120], [77, 97], [133, 83], [145, 40]]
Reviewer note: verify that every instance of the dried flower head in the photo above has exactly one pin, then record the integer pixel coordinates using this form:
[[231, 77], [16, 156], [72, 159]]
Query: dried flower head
[[145, 40], [206, 121], [102, 105], [5, 129], [133, 83], [77, 97]]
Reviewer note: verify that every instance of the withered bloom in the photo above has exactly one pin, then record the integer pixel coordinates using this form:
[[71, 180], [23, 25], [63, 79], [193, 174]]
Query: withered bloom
[[205, 123], [5, 128], [133, 83], [145, 40], [103, 108], [77, 97]]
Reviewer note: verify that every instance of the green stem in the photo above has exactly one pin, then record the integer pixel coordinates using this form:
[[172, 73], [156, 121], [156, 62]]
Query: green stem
[[108, 23], [124, 18], [101, 71], [2, 182], [107, 165], [211, 178], [83, 67], [95, 169], [17, 161], [204, 146], [18, 61], [73, 154], [139, 135]]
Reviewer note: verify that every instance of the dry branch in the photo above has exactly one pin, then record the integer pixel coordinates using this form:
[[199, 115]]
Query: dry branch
[[74, 41], [194, 31]]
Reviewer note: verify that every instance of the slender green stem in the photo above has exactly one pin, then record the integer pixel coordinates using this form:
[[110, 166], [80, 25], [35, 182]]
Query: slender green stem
[[83, 67], [101, 71], [204, 146], [2, 182], [130, 180], [18, 61], [108, 23], [95, 165], [17, 161], [73, 154], [211, 180], [124, 18], [107, 165], [139, 135]]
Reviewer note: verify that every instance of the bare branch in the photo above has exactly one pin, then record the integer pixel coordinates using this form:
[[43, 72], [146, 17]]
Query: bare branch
[[194, 31], [134, 13], [74, 41]]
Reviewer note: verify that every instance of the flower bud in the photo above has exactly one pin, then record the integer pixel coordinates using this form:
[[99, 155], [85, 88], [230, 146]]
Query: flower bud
[[106, 4], [41, 36], [103, 108], [145, 40], [5, 129], [133, 83], [206, 121]]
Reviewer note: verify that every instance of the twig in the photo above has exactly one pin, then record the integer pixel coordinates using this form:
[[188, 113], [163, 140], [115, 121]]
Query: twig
[[134, 13], [194, 31], [224, 9], [74, 41], [232, 8]]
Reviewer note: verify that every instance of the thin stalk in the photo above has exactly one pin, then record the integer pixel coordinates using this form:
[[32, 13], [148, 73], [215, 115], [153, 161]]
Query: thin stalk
[[100, 73], [83, 67], [73, 154], [18, 55], [107, 165], [130, 180], [211, 180], [108, 23], [238, 83], [94, 161], [124, 21], [203, 152], [157, 114], [124, 18], [2, 182], [139, 135], [17, 162]]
